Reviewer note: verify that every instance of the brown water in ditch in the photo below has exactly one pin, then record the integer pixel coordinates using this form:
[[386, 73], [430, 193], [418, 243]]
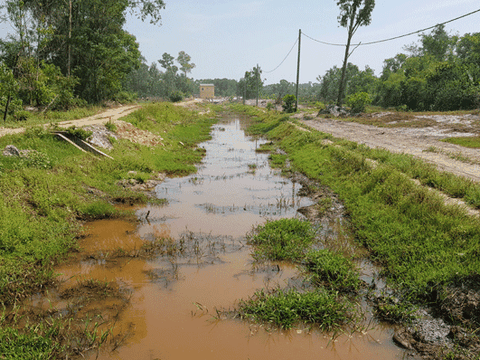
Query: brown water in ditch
[[173, 298]]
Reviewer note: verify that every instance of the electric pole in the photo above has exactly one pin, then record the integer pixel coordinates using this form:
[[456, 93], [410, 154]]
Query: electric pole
[[258, 76], [298, 68]]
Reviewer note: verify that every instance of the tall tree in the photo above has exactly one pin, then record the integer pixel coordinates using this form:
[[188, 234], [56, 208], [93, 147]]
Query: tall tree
[[82, 37], [184, 60], [251, 82], [353, 14]]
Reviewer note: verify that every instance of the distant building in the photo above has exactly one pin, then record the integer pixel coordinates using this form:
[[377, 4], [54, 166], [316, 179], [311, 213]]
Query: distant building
[[207, 91]]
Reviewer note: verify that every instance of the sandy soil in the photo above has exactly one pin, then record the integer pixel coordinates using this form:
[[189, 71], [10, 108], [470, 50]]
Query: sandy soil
[[110, 114], [415, 141]]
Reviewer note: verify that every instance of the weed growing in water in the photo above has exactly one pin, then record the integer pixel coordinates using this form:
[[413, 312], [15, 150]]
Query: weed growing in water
[[390, 309], [286, 308], [325, 268], [285, 239]]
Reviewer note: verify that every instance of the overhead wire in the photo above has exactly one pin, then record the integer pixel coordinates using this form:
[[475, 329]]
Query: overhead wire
[[268, 72], [395, 37], [371, 42]]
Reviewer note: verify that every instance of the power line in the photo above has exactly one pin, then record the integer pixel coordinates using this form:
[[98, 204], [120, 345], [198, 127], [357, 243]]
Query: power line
[[268, 72], [396, 37]]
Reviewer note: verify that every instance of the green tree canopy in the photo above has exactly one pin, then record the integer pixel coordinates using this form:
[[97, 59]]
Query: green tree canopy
[[353, 14]]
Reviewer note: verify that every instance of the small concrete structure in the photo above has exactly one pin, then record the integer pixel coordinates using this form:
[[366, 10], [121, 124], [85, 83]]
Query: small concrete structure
[[207, 91]]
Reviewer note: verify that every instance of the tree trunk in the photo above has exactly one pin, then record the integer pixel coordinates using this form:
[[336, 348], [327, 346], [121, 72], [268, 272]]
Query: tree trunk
[[341, 89], [351, 31], [6, 108]]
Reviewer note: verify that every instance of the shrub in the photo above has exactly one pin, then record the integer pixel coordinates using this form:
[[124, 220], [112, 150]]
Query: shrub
[[21, 115], [125, 97], [176, 96], [289, 104], [110, 125], [359, 101]]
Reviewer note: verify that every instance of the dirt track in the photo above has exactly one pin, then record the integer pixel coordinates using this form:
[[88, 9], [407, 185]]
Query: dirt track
[[101, 118], [415, 141]]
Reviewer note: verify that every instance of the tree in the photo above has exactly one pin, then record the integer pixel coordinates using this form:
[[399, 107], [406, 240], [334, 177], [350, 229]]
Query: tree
[[8, 90], [81, 37], [353, 14], [438, 43], [184, 60], [167, 62], [251, 82]]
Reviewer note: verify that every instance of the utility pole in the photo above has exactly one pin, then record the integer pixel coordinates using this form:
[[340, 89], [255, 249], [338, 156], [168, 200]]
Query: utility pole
[[298, 68], [258, 75], [244, 89], [69, 64]]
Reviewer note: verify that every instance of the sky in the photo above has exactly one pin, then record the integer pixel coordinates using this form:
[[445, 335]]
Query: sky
[[225, 38]]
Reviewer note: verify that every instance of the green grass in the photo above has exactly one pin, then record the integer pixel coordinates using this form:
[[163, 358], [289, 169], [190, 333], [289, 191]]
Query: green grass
[[469, 142], [32, 343], [48, 192], [325, 268], [328, 275], [45, 193], [285, 239], [422, 243], [287, 308]]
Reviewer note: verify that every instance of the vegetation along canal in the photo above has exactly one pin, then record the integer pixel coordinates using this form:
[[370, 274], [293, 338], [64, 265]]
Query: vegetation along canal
[[179, 303]]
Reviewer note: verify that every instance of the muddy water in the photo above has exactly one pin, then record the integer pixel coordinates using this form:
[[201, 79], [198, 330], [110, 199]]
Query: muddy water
[[173, 298]]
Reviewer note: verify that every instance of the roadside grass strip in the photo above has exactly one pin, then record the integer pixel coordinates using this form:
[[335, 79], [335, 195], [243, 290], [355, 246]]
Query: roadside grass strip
[[48, 193], [422, 244]]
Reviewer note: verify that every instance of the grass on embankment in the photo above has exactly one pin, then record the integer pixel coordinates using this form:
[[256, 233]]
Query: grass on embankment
[[46, 195], [422, 243]]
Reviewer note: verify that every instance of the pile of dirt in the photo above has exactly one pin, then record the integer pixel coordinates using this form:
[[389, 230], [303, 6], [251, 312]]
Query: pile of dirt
[[129, 132]]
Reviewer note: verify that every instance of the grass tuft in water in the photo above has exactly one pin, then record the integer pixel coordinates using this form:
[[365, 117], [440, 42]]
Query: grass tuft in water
[[285, 239], [325, 268], [286, 308]]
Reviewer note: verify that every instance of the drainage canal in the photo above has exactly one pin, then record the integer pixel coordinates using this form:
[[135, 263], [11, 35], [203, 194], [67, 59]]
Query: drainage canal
[[170, 312]]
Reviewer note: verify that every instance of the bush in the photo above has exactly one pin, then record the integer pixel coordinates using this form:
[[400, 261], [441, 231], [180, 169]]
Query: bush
[[289, 104], [358, 102], [22, 115], [176, 96], [320, 105]]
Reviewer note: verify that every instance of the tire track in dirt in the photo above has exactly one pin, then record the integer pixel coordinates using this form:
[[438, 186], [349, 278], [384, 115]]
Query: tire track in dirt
[[97, 119], [407, 141]]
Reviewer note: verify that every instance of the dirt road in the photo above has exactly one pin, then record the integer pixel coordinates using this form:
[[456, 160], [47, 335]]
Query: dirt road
[[101, 118], [422, 142]]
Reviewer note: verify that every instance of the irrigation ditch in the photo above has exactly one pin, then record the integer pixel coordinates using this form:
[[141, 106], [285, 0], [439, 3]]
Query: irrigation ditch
[[193, 275]]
